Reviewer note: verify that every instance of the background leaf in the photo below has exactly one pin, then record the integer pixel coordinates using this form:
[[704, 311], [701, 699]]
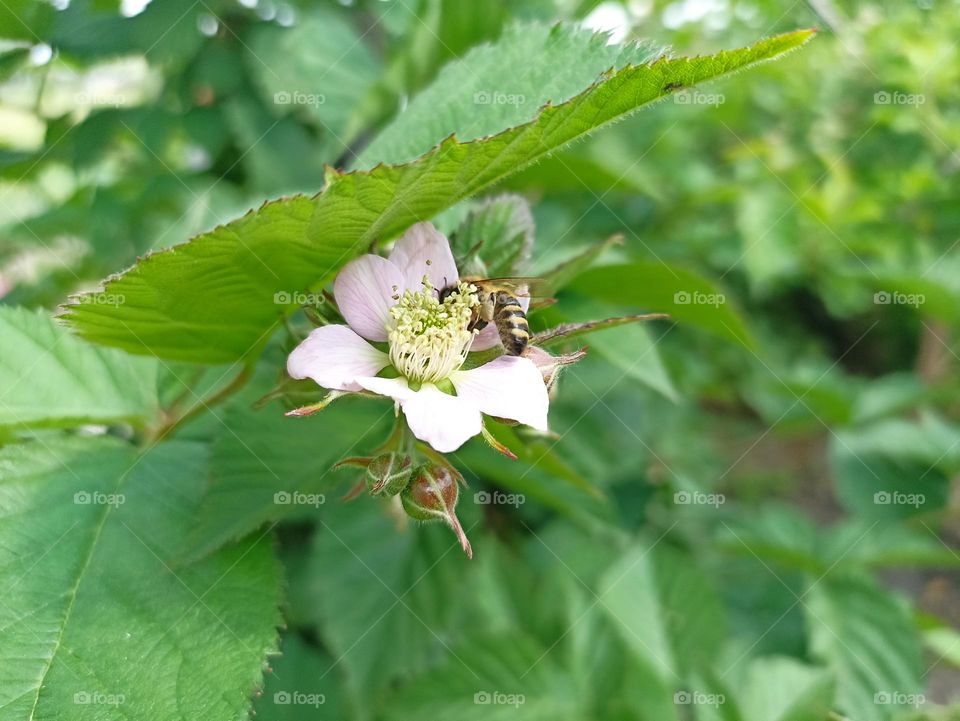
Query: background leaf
[[866, 638], [89, 568], [48, 377], [656, 286]]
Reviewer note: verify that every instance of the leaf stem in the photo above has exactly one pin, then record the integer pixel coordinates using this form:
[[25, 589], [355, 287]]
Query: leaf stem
[[204, 404]]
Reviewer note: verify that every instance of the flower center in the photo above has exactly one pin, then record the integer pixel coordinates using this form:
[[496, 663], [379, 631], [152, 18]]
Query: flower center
[[428, 339]]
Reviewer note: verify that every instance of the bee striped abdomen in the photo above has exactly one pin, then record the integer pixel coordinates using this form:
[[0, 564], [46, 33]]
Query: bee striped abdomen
[[512, 324]]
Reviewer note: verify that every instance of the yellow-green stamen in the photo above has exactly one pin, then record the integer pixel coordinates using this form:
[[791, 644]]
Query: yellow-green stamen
[[428, 339]]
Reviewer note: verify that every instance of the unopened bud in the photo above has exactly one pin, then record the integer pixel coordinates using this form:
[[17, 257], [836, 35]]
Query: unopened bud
[[388, 474], [432, 495]]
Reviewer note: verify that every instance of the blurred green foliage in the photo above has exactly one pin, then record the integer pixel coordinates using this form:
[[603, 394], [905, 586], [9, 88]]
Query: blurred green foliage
[[748, 515]]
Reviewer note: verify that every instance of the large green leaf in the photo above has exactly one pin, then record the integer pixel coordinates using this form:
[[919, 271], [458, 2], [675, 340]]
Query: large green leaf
[[99, 622], [218, 297], [48, 377], [868, 639], [500, 85]]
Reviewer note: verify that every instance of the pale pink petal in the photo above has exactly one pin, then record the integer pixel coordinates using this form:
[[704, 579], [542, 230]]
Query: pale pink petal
[[334, 356], [424, 251], [444, 421], [507, 387], [489, 337], [365, 290]]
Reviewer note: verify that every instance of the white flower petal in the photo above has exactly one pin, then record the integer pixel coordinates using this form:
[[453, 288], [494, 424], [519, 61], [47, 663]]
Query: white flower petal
[[444, 421], [395, 388], [489, 337], [420, 244], [507, 387], [334, 356], [365, 290]]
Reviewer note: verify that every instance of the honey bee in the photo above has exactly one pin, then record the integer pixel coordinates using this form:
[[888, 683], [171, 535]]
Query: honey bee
[[498, 304]]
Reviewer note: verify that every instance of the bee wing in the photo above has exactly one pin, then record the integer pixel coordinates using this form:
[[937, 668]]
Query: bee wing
[[520, 286]]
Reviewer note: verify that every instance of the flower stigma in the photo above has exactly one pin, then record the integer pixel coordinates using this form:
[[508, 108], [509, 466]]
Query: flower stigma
[[428, 339]]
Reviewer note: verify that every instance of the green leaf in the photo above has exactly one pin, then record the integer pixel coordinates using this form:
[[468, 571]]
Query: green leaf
[[49, 377], [563, 274], [632, 350], [664, 608], [656, 286], [216, 298], [320, 67], [391, 595], [25, 20], [303, 682], [508, 676], [788, 539], [783, 689], [893, 469], [266, 467], [607, 677], [99, 620], [485, 91], [869, 641], [535, 475], [502, 231]]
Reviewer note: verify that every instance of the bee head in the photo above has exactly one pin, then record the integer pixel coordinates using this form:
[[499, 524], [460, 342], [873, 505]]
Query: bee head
[[446, 290]]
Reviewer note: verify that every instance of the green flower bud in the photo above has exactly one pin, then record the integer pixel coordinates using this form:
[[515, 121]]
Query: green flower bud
[[432, 495], [388, 474]]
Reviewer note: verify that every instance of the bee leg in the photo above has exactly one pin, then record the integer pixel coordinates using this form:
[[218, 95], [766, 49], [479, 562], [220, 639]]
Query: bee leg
[[478, 324]]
